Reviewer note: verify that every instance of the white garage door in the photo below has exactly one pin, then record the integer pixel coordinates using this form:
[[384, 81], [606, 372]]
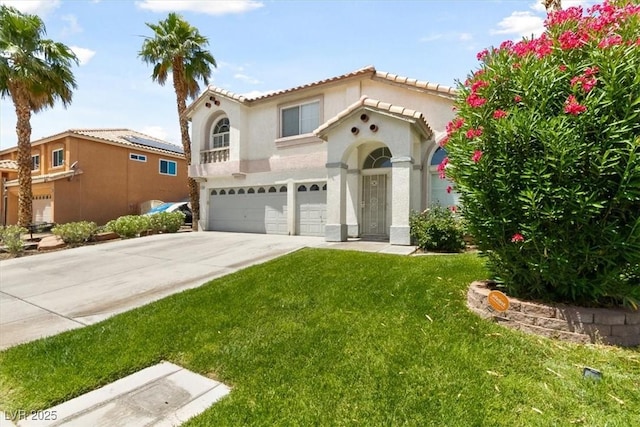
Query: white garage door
[[42, 206], [311, 209], [249, 210]]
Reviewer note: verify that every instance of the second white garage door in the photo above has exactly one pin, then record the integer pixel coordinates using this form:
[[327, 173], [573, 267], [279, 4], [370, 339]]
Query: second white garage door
[[248, 211], [311, 209]]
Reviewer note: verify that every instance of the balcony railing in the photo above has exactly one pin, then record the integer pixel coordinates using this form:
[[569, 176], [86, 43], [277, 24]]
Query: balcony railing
[[216, 155]]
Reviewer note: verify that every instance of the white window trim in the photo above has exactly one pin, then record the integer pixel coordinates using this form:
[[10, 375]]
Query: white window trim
[[53, 158], [38, 168], [298, 103], [168, 161], [138, 157]]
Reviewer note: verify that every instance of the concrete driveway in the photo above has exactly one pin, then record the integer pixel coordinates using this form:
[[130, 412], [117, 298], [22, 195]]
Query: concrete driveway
[[46, 294]]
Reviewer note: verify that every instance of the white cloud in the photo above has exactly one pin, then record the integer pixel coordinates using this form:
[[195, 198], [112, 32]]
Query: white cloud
[[521, 24], [257, 93], [451, 36], [247, 79], [208, 7], [84, 55], [37, 7], [72, 26]]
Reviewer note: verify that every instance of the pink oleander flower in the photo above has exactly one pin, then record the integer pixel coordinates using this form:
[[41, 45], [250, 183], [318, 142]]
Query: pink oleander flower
[[613, 40], [571, 106], [453, 208], [517, 238], [444, 141], [500, 114], [562, 68], [475, 101], [441, 168], [454, 125], [474, 133], [449, 189], [482, 54], [517, 99], [561, 16], [479, 85], [477, 155], [572, 40]]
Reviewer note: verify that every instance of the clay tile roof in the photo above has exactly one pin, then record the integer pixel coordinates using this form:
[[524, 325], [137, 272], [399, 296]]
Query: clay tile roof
[[9, 165], [440, 89], [380, 106], [130, 138]]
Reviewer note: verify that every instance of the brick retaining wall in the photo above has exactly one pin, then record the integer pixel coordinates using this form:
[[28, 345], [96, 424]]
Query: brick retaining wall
[[576, 324]]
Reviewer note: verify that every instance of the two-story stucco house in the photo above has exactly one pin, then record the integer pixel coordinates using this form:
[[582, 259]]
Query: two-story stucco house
[[94, 175], [349, 156]]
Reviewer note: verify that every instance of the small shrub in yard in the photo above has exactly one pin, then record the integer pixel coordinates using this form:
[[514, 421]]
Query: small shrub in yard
[[545, 153], [166, 222], [11, 237], [74, 233], [129, 225], [437, 229]]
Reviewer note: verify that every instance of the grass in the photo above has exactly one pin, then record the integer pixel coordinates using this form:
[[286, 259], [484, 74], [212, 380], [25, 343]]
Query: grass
[[325, 337]]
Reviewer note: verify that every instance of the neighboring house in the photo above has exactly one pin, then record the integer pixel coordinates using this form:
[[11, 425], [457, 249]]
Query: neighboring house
[[349, 156], [94, 175]]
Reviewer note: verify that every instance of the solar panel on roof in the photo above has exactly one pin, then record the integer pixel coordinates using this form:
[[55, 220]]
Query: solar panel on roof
[[155, 144]]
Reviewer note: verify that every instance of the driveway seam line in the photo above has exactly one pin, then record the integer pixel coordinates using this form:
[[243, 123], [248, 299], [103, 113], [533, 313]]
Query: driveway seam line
[[43, 308]]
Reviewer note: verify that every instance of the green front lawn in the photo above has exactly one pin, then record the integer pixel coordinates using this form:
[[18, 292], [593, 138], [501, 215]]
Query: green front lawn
[[324, 337]]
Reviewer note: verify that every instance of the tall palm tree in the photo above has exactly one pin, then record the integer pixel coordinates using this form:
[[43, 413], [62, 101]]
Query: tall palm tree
[[35, 72], [552, 5], [179, 48]]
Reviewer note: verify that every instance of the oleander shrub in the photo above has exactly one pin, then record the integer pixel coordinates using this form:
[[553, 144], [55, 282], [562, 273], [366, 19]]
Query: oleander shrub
[[437, 229], [129, 225], [74, 233], [11, 237], [545, 152], [166, 222]]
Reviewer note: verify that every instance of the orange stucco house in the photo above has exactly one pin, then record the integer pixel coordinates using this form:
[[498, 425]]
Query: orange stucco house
[[94, 175]]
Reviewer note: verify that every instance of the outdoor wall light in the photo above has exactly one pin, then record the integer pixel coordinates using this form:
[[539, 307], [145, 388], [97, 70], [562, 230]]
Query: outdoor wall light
[[355, 130], [373, 128]]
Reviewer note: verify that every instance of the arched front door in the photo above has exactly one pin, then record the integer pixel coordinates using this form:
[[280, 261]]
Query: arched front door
[[375, 193]]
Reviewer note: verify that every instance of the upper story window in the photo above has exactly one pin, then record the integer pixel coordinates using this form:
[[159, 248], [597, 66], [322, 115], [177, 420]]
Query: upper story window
[[35, 162], [137, 157], [168, 167], [438, 157], [378, 158], [299, 119], [57, 158], [220, 134]]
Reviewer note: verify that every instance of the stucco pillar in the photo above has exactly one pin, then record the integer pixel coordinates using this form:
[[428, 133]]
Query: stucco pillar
[[205, 209], [401, 184], [291, 207], [353, 202], [336, 227]]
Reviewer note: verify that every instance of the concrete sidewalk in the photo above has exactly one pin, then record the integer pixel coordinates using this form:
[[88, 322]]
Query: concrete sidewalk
[[161, 395]]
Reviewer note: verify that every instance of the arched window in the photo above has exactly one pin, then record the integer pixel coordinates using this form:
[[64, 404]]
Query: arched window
[[378, 158], [283, 189], [438, 157], [324, 187], [241, 191], [251, 191], [232, 191], [214, 193], [260, 190], [272, 190], [314, 187], [220, 133], [302, 188], [222, 192]]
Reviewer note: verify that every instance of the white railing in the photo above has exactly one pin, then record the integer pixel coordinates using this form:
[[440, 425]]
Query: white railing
[[216, 155]]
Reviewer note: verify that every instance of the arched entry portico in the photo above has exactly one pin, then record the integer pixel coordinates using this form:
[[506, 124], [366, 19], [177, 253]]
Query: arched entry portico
[[373, 181]]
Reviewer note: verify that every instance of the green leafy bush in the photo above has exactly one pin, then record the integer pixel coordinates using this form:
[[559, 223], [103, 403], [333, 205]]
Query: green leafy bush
[[545, 153], [437, 229], [11, 237], [166, 222], [129, 225], [74, 233]]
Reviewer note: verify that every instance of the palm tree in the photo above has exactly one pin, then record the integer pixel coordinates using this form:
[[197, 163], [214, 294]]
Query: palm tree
[[35, 72], [552, 5], [179, 48]]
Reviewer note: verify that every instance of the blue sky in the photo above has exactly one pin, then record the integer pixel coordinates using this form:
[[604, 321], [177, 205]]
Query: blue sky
[[260, 46]]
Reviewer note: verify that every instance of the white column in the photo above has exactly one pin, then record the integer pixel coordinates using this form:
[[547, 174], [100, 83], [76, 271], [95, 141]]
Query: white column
[[353, 202], [402, 168], [291, 207], [205, 209], [336, 227]]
